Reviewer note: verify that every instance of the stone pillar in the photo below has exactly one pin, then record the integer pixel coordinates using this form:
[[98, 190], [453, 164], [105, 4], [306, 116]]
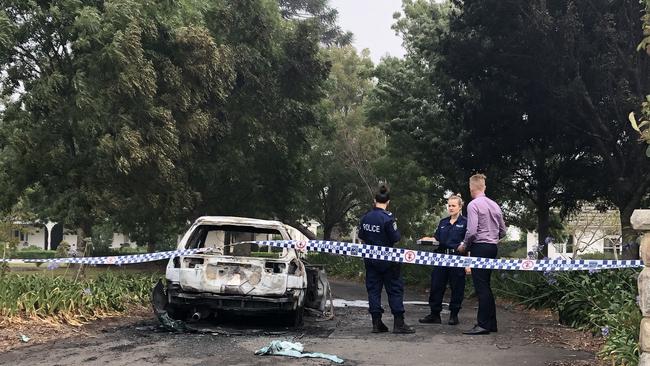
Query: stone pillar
[[641, 221]]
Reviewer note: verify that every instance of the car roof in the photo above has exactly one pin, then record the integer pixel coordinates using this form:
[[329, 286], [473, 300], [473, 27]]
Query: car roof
[[240, 221]]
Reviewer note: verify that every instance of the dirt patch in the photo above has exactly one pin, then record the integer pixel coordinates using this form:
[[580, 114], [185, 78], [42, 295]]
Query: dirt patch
[[45, 330], [543, 327]]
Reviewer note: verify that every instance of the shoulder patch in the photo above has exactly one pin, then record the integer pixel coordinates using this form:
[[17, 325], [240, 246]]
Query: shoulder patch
[[394, 225], [388, 213]]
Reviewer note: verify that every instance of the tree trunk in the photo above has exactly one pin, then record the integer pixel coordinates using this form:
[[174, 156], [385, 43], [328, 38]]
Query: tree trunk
[[83, 231], [543, 226], [327, 231], [300, 227], [628, 235]]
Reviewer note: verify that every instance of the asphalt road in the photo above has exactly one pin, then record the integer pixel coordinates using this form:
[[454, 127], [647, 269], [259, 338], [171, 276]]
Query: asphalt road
[[348, 336]]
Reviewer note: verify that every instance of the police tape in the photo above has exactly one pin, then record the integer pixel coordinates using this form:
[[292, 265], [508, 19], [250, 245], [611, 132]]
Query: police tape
[[366, 251], [110, 260], [403, 255]]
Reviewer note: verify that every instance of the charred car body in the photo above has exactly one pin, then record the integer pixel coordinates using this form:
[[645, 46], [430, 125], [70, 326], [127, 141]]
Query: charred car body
[[235, 275]]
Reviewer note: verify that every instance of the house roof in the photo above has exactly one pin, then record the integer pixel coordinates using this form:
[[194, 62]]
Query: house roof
[[590, 218]]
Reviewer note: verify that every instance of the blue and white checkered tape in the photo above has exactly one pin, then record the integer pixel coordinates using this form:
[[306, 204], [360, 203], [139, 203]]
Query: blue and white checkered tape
[[111, 260], [445, 260], [368, 251]]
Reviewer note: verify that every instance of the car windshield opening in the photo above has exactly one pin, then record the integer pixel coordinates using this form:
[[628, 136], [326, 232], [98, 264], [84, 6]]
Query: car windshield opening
[[236, 240]]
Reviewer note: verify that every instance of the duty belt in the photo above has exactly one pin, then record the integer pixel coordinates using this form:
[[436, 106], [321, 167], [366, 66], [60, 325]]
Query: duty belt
[[446, 251]]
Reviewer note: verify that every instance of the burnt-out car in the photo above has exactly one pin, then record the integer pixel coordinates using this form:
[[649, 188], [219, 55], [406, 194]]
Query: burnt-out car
[[235, 275]]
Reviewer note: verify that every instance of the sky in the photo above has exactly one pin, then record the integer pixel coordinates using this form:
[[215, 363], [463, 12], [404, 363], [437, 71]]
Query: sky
[[370, 21]]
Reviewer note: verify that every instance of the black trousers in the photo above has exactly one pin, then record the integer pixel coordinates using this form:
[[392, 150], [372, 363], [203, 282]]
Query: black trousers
[[487, 310], [440, 276], [381, 274]]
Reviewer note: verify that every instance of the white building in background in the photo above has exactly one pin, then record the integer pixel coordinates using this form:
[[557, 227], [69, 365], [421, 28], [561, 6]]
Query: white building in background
[[48, 236], [590, 231], [30, 234]]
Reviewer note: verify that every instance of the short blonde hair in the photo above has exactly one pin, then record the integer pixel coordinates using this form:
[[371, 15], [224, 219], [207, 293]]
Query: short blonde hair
[[456, 197], [477, 181]]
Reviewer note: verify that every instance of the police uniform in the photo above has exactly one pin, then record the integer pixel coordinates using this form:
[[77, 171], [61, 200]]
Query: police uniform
[[378, 227], [449, 236]]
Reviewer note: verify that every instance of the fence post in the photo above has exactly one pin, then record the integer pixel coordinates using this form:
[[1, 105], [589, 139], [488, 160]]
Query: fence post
[[641, 221]]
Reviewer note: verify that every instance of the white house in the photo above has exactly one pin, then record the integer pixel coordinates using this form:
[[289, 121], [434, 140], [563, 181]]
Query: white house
[[589, 231], [49, 235]]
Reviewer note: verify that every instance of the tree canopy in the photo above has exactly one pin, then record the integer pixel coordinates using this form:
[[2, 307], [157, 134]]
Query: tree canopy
[[154, 114], [534, 94], [142, 115]]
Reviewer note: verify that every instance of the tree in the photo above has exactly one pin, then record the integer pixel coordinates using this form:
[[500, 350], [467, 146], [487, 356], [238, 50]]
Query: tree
[[609, 79], [103, 101], [254, 166], [643, 126], [402, 103], [321, 14], [515, 108], [342, 151], [517, 123], [149, 115]]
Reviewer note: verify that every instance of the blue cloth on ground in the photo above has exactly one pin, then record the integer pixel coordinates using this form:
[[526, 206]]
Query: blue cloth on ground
[[291, 349]]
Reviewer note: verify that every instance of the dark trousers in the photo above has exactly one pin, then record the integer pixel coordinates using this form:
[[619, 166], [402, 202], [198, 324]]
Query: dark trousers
[[487, 310], [440, 276], [381, 274]]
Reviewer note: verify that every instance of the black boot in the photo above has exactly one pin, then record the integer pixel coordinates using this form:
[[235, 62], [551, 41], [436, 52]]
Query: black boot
[[433, 318], [453, 317], [400, 327], [377, 325]]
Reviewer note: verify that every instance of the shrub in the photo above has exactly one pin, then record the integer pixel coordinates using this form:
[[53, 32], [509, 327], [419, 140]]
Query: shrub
[[339, 266], [352, 267], [31, 248], [35, 254], [72, 301], [608, 255], [121, 251], [512, 249], [63, 250]]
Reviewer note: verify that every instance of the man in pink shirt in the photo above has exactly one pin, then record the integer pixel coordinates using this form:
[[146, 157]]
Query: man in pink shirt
[[485, 227]]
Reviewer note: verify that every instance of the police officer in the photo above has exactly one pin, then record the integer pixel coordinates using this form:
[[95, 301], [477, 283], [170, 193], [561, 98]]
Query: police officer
[[450, 233], [378, 227]]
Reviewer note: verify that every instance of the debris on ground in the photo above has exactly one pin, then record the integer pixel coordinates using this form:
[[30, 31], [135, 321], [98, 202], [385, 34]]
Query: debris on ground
[[24, 338], [291, 349], [171, 324], [148, 328]]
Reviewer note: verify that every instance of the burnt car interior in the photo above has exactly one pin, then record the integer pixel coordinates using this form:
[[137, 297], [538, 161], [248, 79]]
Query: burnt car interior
[[236, 240]]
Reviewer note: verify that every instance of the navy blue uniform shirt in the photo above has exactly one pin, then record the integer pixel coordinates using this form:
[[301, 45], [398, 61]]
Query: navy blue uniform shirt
[[449, 236], [378, 227]]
